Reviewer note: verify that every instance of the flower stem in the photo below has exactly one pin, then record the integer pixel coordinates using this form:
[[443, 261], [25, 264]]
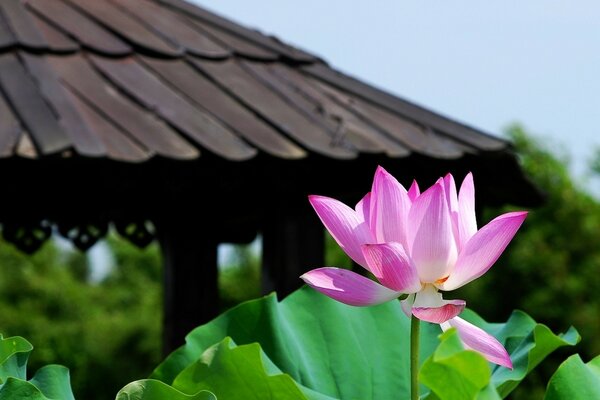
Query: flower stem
[[414, 357]]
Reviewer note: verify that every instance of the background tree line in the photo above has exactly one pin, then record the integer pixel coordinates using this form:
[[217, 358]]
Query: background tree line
[[108, 332]]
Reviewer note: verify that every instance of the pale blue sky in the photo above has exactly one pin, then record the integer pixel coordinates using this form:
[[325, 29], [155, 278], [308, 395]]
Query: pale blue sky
[[486, 63]]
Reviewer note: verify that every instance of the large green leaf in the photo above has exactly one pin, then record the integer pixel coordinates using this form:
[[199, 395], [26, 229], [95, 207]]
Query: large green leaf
[[151, 389], [227, 372], [49, 383], [14, 353], [18, 389], [325, 345], [574, 380], [453, 373], [351, 352], [218, 370], [54, 382]]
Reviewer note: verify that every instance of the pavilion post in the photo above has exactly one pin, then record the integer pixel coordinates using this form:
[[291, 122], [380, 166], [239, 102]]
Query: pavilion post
[[293, 243], [191, 295]]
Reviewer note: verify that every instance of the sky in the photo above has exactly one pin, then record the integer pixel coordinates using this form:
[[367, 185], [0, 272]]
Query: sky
[[484, 63]]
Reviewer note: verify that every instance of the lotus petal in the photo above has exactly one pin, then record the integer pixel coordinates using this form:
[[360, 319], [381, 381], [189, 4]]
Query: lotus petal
[[414, 191], [437, 315], [389, 208], [406, 305], [450, 192], [452, 201], [430, 238], [345, 225], [348, 287], [392, 267], [363, 208], [467, 223], [477, 339], [483, 249], [431, 307]]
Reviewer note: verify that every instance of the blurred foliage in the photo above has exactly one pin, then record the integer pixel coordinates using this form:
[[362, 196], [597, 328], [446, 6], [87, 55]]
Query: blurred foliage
[[89, 327], [239, 278], [595, 162]]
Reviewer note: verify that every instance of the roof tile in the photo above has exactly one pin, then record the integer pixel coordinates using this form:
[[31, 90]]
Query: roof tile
[[141, 84], [84, 140], [21, 25], [174, 28], [10, 129], [127, 27], [29, 105], [207, 95], [73, 23], [143, 126]]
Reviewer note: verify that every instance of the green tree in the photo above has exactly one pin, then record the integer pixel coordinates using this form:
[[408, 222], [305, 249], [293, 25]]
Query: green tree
[[106, 333], [239, 277]]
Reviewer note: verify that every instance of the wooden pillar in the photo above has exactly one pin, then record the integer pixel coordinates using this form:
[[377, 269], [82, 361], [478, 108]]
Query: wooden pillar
[[191, 295], [293, 243]]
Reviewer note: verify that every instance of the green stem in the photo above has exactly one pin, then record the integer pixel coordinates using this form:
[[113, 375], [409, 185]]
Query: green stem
[[414, 358]]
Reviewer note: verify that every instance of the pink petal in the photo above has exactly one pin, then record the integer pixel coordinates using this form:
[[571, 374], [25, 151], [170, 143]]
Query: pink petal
[[450, 191], [483, 249], [430, 306], [363, 208], [452, 201], [441, 314], [389, 208], [477, 339], [348, 287], [467, 224], [430, 238], [392, 267], [414, 191], [347, 228], [406, 305]]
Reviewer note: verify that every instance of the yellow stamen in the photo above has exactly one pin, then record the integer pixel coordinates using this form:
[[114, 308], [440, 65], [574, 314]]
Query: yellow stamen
[[442, 280]]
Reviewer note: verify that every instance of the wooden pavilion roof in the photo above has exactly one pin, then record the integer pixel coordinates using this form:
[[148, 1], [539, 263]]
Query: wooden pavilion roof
[[135, 81]]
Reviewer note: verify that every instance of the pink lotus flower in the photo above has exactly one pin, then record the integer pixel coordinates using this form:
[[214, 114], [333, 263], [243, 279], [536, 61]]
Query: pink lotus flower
[[417, 244]]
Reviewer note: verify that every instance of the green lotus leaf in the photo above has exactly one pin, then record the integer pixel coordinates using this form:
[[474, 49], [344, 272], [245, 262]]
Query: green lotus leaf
[[54, 382], [452, 368], [232, 372], [575, 380], [14, 353], [19, 389], [453, 373], [345, 352], [51, 382], [151, 389]]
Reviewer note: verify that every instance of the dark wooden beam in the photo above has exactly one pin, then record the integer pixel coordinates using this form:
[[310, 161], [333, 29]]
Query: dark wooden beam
[[293, 243], [191, 295]]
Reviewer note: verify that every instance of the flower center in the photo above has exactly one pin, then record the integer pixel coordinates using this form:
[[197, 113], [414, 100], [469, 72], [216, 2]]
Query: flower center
[[428, 297], [441, 280]]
